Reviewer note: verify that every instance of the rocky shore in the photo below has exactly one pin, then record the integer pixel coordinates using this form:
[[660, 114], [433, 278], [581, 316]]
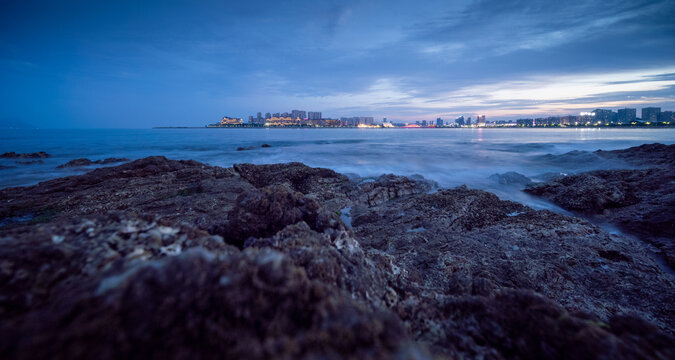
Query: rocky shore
[[639, 201], [177, 259]]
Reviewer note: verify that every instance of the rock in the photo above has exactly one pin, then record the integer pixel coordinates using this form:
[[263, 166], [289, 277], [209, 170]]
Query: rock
[[511, 178], [460, 241], [13, 155], [637, 201], [266, 145], [179, 259], [263, 213], [87, 162], [3, 167], [389, 186], [30, 162], [254, 305], [245, 148], [318, 183]]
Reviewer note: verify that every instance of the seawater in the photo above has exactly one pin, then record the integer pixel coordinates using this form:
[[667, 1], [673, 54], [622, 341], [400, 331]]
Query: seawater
[[451, 157]]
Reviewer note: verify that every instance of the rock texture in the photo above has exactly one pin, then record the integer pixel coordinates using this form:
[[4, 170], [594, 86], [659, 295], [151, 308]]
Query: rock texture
[[13, 155], [639, 201], [178, 259], [87, 162]]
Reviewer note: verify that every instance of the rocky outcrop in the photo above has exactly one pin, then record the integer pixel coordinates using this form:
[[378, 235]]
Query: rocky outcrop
[[87, 162], [639, 201], [253, 304], [511, 178], [13, 155], [179, 259]]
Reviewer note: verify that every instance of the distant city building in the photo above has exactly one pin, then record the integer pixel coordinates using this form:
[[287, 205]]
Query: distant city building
[[298, 114], [626, 116], [384, 120], [480, 120], [667, 116], [468, 120], [439, 122], [366, 120], [226, 120], [651, 114], [604, 116], [314, 115], [460, 121]]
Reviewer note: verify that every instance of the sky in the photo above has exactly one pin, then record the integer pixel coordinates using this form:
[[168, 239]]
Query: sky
[[133, 63]]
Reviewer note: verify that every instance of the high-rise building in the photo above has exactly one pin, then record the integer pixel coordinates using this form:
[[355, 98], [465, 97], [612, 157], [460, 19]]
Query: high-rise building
[[366, 120], [314, 115], [268, 116], [439, 122], [651, 114], [480, 120], [460, 121], [468, 120], [298, 114], [626, 116], [604, 116], [667, 116]]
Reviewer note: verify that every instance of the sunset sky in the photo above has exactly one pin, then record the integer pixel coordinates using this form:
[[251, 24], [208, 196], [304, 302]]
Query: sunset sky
[[154, 63]]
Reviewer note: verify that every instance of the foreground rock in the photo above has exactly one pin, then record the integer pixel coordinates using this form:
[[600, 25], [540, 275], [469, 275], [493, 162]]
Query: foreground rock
[[13, 155], [177, 259], [640, 201]]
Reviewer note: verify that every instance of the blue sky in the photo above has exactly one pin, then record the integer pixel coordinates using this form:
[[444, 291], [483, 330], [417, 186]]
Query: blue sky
[[153, 63]]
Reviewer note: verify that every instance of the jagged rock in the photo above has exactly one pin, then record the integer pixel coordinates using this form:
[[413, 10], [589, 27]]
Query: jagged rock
[[456, 241], [511, 178], [13, 155], [638, 201], [319, 183], [253, 305], [389, 186], [136, 261], [87, 162], [266, 211], [29, 162]]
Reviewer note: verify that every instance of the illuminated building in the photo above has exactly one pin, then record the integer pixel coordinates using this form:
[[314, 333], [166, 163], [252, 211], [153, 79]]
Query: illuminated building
[[651, 114], [626, 116]]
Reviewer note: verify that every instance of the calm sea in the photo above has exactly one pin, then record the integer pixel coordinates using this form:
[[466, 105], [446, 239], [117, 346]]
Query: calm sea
[[451, 157]]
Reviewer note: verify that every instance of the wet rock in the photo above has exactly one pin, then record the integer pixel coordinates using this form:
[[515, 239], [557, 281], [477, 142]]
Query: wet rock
[[179, 259], [266, 145], [460, 241], [241, 148], [266, 211], [30, 162], [319, 183], [389, 186], [13, 155], [3, 167], [253, 305], [87, 162], [511, 178]]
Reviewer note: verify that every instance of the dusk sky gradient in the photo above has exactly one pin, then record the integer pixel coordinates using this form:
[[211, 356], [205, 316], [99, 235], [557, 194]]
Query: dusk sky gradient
[[188, 63]]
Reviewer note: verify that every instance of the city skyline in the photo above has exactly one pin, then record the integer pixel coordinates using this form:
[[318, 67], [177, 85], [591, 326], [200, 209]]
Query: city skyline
[[144, 64]]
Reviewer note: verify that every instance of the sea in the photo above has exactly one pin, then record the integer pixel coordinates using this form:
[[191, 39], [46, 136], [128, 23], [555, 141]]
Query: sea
[[449, 156]]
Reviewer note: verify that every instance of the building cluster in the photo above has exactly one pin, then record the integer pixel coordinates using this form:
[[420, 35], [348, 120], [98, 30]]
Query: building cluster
[[297, 118], [627, 116], [649, 115]]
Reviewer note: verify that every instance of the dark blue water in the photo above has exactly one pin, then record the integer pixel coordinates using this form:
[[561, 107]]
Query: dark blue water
[[451, 157]]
